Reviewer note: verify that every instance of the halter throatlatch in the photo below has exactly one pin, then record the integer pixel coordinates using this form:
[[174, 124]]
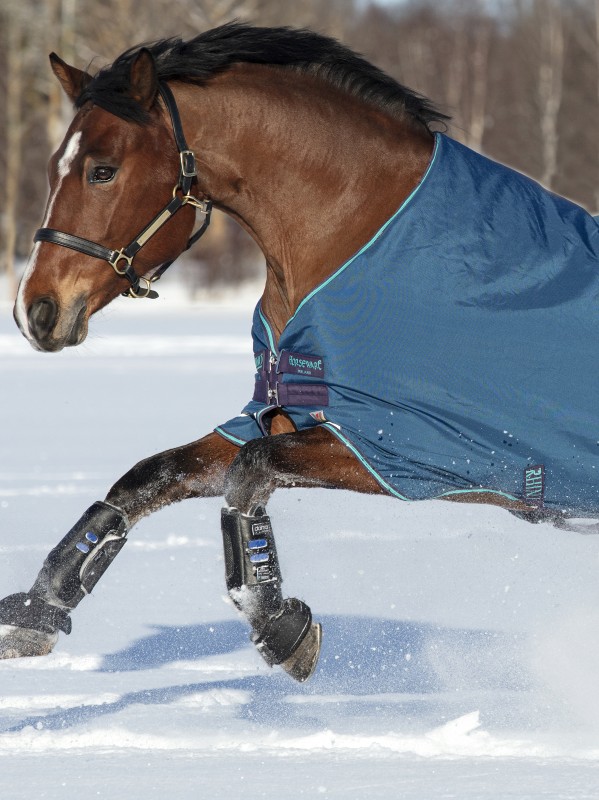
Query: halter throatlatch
[[122, 260]]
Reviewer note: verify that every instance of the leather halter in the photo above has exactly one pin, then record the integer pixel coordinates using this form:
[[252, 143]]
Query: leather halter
[[122, 260]]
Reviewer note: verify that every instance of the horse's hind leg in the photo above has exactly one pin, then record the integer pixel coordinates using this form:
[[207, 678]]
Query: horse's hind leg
[[30, 621], [282, 629]]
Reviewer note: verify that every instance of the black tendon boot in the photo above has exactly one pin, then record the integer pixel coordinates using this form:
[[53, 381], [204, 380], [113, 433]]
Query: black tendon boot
[[282, 630], [30, 621]]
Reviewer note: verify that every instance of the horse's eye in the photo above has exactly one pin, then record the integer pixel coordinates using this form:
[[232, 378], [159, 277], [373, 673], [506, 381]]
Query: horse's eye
[[102, 174]]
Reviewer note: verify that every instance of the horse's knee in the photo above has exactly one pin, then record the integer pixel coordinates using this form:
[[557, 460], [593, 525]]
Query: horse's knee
[[158, 481], [146, 473], [249, 479]]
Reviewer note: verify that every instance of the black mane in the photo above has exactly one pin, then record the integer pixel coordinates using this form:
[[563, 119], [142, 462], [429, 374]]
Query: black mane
[[197, 60]]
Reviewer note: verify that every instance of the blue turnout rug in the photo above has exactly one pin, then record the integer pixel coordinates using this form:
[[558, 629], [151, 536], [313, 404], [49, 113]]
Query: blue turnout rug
[[455, 352]]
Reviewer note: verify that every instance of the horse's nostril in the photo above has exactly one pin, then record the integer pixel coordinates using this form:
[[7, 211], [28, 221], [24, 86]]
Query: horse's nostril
[[42, 317]]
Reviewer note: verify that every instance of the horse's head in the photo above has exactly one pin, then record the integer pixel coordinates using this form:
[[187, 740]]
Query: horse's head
[[108, 179]]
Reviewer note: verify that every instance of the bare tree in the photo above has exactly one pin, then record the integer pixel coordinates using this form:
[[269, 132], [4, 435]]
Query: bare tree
[[60, 34], [469, 42], [520, 77], [479, 82], [13, 121], [549, 17]]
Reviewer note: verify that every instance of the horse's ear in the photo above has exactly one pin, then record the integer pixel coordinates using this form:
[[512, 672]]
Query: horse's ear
[[72, 80], [143, 79]]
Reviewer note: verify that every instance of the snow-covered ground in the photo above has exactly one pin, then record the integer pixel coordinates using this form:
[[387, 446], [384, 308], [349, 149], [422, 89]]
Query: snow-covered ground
[[461, 646]]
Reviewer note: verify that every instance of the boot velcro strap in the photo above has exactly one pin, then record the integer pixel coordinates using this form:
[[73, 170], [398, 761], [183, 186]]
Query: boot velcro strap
[[30, 611], [284, 631]]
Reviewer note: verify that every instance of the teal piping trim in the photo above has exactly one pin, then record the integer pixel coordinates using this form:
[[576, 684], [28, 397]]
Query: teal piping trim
[[222, 432], [363, 461], [268, 330], [331, 427], [359, 253], [262, 412], [376, 235]]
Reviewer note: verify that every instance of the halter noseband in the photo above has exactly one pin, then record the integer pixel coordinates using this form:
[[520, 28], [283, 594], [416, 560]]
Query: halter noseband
[[181, 197]]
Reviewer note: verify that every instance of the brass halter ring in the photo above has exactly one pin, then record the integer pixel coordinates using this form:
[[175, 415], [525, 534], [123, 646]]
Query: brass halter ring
[[189, 199], [146, 290]]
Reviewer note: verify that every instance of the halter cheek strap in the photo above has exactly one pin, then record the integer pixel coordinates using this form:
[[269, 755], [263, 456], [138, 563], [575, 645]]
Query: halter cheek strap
[[122, 260]]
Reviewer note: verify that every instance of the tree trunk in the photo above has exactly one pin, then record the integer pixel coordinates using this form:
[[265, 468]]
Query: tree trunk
[[480, 70], [550, 84], [13, 123]]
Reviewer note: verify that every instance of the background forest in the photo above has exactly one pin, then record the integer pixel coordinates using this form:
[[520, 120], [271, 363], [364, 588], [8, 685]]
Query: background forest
[[520, 79]]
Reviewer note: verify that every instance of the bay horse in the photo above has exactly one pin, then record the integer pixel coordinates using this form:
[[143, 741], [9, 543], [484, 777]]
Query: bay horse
[[420, 309]]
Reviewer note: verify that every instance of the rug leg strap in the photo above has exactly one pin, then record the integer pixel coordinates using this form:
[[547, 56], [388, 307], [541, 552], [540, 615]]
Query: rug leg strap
[[254, 580]]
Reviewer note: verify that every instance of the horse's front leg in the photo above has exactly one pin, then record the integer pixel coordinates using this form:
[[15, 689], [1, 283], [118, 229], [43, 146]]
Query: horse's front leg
[[30, 621], [194, 470], [282, 629]]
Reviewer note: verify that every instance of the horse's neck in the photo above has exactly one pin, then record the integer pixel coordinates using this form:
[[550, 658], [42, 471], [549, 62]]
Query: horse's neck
[[309, 172]]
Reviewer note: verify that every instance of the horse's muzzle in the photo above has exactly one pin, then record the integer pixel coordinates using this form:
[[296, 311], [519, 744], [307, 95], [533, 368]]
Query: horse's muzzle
[[50, 330]]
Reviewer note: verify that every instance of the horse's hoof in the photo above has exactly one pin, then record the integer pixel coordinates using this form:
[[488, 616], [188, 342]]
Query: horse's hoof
[[302, 663], [18, 642]]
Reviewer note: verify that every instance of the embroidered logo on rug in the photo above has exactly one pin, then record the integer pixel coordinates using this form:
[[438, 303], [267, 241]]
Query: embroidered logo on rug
[[534, 484], [299, 364]]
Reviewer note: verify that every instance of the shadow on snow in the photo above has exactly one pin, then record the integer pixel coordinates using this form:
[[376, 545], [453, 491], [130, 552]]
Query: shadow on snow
[[361, 656]]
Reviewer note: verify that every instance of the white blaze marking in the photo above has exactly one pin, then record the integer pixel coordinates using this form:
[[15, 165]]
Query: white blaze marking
[[64, 167]]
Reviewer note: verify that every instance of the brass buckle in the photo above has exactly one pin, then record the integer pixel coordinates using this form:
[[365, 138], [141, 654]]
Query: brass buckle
[[188, 164], [118, 257]]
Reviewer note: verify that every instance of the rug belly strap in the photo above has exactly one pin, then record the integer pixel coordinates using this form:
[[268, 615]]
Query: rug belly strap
[[292, 394], [272, 391]]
